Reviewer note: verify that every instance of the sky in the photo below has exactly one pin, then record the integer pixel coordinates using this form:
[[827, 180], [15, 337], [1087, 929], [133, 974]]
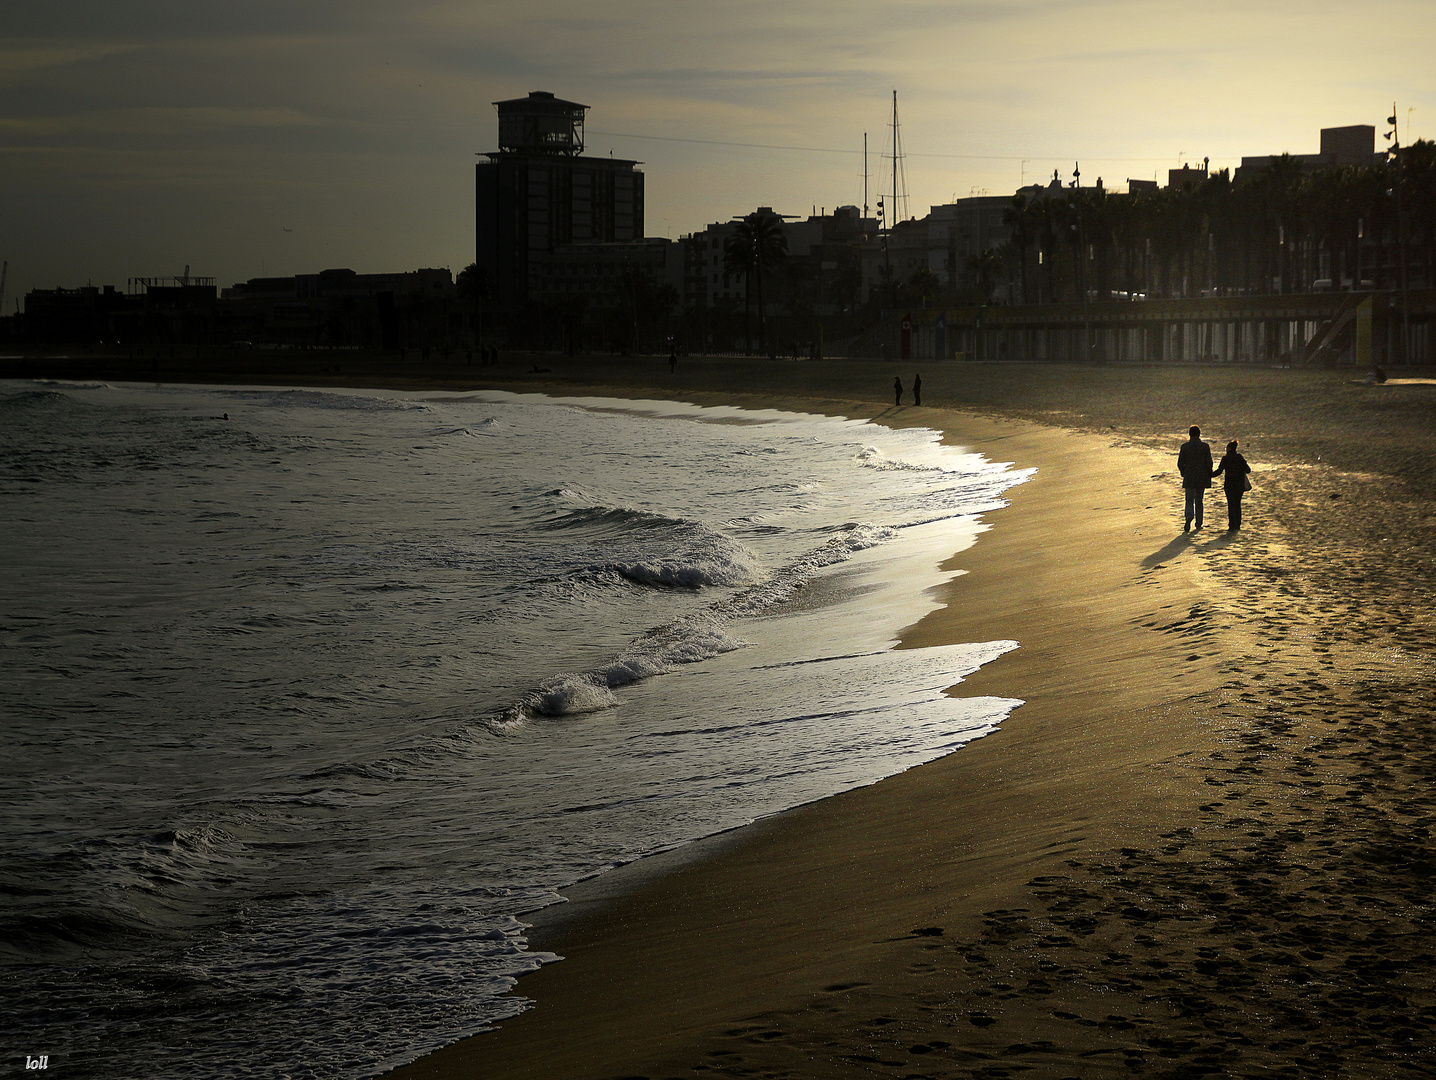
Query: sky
[[276, 137]]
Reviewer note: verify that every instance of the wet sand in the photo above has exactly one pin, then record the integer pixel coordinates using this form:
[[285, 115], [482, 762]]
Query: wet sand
[[1203, 845]]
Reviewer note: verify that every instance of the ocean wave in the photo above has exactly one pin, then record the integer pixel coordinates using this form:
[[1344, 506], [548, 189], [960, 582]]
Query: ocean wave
[[490, 428], [662, 551], [872, 458], [147, 886], [686, 640], [34, 936], [319, 399], [849, 539], [71, 384], [572, 693], [660, 651], [686, 574], [41, 401], [372, 771]]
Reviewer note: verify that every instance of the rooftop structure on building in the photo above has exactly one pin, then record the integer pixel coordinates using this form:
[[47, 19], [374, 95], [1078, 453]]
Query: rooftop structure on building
[[541, 124], [1188, 177]]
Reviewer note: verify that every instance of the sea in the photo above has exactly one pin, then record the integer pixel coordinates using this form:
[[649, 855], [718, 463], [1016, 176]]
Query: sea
[[309, 696]]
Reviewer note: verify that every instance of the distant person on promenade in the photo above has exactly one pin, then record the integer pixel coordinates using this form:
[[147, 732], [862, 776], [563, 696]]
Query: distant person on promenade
[[897, 390], [1194, 462], [672, 358], [1234, 483], [917, 389]]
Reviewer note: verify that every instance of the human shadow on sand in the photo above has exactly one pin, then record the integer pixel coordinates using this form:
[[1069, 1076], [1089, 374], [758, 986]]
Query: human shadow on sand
[[1173, 548], [1221, 540], [1183, 542]]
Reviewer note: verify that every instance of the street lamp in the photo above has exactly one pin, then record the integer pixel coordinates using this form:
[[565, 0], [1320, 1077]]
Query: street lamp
[[1397, 163], [1082, 263]]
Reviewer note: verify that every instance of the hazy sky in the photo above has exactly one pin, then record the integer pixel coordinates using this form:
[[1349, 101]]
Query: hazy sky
[[250, 138]]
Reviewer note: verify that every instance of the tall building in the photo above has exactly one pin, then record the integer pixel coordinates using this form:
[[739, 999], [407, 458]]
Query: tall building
[[539, 193]]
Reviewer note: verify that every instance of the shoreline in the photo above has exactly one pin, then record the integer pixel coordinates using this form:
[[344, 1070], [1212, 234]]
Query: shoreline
[[933, 846], [1203, 845]]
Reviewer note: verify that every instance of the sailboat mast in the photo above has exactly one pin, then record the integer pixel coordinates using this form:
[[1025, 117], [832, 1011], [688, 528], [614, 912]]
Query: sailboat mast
[[892, 214]]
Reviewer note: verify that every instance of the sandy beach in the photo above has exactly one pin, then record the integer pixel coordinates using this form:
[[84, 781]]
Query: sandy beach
[[1202, 846]]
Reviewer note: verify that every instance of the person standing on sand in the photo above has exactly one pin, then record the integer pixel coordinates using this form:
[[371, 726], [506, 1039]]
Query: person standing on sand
[[897, 390], [917, 389], [1234, 483], [1194, 462]]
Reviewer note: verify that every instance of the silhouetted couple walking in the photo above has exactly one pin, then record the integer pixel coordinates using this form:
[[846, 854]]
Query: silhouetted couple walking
[[1194, 462]]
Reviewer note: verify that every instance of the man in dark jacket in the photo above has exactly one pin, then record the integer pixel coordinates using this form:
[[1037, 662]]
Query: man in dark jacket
[[1194, 462]]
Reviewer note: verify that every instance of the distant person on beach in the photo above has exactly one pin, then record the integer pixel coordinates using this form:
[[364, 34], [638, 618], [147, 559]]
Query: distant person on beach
[[672, 359], [917, 389], [897, 390], [1234, 483], [1194, 462]]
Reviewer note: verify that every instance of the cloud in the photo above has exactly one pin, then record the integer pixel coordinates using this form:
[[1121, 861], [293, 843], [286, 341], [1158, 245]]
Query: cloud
[[175, 121], [19, 59]]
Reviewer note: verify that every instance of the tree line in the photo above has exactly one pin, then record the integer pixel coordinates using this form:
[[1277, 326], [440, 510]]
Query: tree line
[[1286, 230]]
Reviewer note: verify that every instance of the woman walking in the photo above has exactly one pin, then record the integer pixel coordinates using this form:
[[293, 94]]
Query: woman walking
[[1235, 483]]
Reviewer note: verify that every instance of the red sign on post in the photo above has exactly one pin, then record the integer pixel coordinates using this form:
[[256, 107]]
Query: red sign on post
[[905, 341]]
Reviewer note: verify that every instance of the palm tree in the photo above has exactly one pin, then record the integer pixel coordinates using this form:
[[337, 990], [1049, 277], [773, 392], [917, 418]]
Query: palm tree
[[738, 259], [761, 233], [473, 286], [983, 267], [1021, 220]]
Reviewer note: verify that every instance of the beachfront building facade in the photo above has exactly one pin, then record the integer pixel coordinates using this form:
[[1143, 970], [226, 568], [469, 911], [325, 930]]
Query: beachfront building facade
[[1354, 144], [331, 309], [939, 247], [822, 269], [706, 281], [538, 193], [342, 308]]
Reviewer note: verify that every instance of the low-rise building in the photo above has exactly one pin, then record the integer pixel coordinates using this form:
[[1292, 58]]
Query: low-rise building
[[1351, 145], [342, 308]]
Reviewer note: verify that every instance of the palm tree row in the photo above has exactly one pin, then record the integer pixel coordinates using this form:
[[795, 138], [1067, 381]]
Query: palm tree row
[[1287, 230]]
